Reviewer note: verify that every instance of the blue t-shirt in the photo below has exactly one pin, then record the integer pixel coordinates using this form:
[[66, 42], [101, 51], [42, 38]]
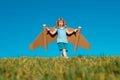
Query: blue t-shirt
[[62, 37]]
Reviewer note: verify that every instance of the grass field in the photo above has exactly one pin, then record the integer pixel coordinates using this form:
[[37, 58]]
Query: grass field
[[73, 68]]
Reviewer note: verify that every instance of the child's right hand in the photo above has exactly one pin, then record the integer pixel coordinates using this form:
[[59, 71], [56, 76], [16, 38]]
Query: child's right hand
[[47, 29]]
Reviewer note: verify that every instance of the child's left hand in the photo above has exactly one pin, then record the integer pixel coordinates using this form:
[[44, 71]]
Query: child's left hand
[[75, 30]]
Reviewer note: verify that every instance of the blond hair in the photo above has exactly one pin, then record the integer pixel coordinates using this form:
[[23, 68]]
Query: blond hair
[[57, 23]]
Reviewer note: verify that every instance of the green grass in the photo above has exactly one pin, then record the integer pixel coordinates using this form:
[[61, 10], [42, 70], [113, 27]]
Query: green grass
[[74, 68]]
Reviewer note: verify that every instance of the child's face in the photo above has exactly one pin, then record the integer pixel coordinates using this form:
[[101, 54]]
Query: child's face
[[60, 23]]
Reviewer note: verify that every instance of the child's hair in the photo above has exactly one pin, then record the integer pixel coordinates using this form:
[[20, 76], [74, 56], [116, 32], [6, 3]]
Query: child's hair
[[57, 23]]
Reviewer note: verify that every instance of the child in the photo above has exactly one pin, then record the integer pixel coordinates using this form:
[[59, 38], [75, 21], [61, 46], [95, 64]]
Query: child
[[62, 41]]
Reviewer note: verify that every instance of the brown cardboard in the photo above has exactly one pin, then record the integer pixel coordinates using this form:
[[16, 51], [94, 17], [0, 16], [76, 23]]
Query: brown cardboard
[[45, 38]]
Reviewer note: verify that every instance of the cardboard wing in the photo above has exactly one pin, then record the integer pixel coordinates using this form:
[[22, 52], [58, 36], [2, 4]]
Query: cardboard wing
[[43, 39], [77, 39]]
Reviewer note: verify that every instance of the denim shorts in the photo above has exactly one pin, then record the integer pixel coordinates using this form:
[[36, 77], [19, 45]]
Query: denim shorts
[[62, 46]]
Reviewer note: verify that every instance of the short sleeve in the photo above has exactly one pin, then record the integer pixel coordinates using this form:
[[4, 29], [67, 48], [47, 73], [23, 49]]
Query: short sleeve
[[56, 29]]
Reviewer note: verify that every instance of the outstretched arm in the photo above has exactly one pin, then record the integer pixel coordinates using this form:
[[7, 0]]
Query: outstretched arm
[[70, 32], [51, 32]]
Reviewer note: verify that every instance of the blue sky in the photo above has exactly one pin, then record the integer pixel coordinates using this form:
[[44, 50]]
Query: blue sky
[[21, 22]]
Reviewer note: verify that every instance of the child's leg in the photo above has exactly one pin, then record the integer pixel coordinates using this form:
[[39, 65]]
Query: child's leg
[[64, 52]]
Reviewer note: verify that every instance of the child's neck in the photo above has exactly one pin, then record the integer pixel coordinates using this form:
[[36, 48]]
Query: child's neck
[[61, 26]]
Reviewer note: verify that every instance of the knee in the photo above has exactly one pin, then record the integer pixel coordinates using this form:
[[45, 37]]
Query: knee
[[64, 50]]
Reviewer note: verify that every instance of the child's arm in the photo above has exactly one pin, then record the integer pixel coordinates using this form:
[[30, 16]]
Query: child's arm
[[51, 32], [71, 32]]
